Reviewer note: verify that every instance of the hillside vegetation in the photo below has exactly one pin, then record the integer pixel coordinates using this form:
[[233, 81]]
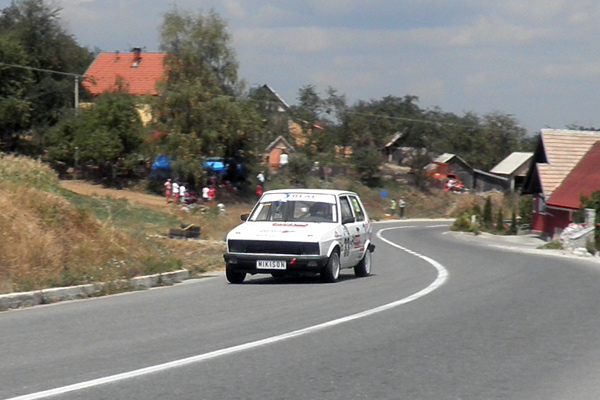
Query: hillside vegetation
[[52, 237]]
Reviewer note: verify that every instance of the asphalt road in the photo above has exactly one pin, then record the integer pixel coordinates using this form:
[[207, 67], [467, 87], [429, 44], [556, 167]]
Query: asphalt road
[[440, 318]]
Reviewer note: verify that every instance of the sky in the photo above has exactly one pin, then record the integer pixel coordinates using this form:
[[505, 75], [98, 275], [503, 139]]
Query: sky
[[538, 60]]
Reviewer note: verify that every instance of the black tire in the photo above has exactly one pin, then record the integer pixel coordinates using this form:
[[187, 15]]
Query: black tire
[[233, 276], [331, 272], [363, 268]]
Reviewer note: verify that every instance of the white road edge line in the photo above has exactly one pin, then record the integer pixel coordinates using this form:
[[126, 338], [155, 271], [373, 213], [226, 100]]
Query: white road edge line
[[439, 281]]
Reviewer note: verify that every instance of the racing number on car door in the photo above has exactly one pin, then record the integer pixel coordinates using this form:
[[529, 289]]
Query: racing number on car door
[[347, 236], [358, 230]]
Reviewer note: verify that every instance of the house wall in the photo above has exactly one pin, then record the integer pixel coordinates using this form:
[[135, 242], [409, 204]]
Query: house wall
[[464, 174], [549, 220], [274, 157], [485, 183]]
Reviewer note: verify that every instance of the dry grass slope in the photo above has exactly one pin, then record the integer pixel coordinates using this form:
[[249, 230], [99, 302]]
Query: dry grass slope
[[53, 237], [46, 241]]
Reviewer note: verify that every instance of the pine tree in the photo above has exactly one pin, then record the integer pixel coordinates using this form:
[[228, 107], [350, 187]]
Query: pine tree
[[486, 219], [513, 224], [500, 221]]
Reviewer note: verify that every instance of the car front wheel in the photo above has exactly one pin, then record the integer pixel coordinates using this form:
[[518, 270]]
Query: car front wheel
[[234, 276], [363, 268], [331, 272]]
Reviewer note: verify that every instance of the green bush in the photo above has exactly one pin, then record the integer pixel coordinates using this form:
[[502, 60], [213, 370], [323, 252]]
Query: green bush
[[526, 209], [513, 224], [553, 245], [500, 221], [486, 219], [463, 224], [476, 210]]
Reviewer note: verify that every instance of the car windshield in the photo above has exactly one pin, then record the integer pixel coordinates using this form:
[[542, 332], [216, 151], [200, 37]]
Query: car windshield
[[296, 208]]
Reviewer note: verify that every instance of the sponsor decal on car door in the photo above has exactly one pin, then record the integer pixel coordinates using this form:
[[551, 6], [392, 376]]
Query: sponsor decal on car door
[[347, 244], [359, 229]]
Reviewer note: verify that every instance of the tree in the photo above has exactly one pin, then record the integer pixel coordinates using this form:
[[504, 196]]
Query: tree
[[513, 224], [109, 130], [198, 99], [34, 35], [500, 221], [486, 218], [199, 50], [15, 107]]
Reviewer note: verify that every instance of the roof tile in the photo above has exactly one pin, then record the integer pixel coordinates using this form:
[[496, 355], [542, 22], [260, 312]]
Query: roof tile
[[564, 149], [108, 68], [584, 179]]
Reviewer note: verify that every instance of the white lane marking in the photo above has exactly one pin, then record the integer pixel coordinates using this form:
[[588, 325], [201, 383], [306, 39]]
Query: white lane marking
[[439, 281]]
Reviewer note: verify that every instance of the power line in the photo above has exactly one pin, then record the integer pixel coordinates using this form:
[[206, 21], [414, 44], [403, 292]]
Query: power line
[[76, 77], [42, 70], [424, 121]]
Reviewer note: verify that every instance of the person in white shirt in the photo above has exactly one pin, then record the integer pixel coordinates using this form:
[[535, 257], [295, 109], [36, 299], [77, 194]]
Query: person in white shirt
[[261, 178], [175, 187], [401, 205], [205, 190], [182, 193], [283, 160]]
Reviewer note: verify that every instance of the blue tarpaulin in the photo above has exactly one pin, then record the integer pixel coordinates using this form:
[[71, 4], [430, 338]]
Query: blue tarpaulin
[[160, 166], [216, 166]]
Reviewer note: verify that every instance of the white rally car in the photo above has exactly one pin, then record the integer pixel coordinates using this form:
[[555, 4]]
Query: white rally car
[[301, 231]]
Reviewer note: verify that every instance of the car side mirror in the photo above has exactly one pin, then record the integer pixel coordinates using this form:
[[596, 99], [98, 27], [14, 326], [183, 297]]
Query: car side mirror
[[348, 220], [244, 217]]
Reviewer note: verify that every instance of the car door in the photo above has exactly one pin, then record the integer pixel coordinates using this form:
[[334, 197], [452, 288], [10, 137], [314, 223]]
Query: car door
[[347, 227], [358, 230]]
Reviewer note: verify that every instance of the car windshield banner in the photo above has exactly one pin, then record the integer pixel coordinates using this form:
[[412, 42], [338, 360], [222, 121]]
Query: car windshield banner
[[320, 198]]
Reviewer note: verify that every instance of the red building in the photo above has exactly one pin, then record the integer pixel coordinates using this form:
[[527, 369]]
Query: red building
[[561, 172], [135, 72]]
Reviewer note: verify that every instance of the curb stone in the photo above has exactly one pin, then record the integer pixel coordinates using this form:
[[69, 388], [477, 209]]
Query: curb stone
[[53, 295]]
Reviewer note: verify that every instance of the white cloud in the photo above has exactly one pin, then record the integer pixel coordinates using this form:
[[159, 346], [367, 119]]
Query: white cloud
[[585, 70], [477, 80], [537, 10], [235, 9], [432, 89], [289, 40], [270, 14], [69, 3]]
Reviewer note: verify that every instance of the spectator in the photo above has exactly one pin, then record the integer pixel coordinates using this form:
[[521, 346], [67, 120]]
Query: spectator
[[212, 193], [283, 160], [168, 188], [205, 191], [261, 179], [401, 204], [175, 188], [182, 193], [393, 207]]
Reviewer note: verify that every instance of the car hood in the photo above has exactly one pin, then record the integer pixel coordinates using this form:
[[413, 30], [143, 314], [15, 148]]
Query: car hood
[[283, 231]]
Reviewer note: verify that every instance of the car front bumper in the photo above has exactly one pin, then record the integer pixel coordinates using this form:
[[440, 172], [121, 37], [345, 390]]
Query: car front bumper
[[243, 262]]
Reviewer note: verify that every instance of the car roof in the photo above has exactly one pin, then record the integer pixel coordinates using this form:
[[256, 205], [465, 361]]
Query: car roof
[[334, 192]]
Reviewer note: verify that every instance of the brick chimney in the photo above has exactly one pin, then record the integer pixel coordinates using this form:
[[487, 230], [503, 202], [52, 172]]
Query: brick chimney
[[137, 56]]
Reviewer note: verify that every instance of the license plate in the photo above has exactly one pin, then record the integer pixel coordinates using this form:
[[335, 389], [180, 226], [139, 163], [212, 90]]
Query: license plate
[[270, 264]]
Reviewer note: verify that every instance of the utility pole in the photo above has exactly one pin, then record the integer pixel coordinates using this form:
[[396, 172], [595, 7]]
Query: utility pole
[[76, 90], [75, 76]]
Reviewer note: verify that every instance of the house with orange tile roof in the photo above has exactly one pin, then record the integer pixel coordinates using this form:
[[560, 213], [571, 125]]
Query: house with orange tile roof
[[136, 72], [560, 172]]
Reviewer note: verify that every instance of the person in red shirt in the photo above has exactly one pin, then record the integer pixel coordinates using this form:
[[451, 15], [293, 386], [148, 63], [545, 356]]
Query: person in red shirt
[[168, 187]]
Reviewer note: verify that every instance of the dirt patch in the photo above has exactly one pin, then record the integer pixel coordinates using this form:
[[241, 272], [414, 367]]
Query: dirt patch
[[196, 255], [89, 189]]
